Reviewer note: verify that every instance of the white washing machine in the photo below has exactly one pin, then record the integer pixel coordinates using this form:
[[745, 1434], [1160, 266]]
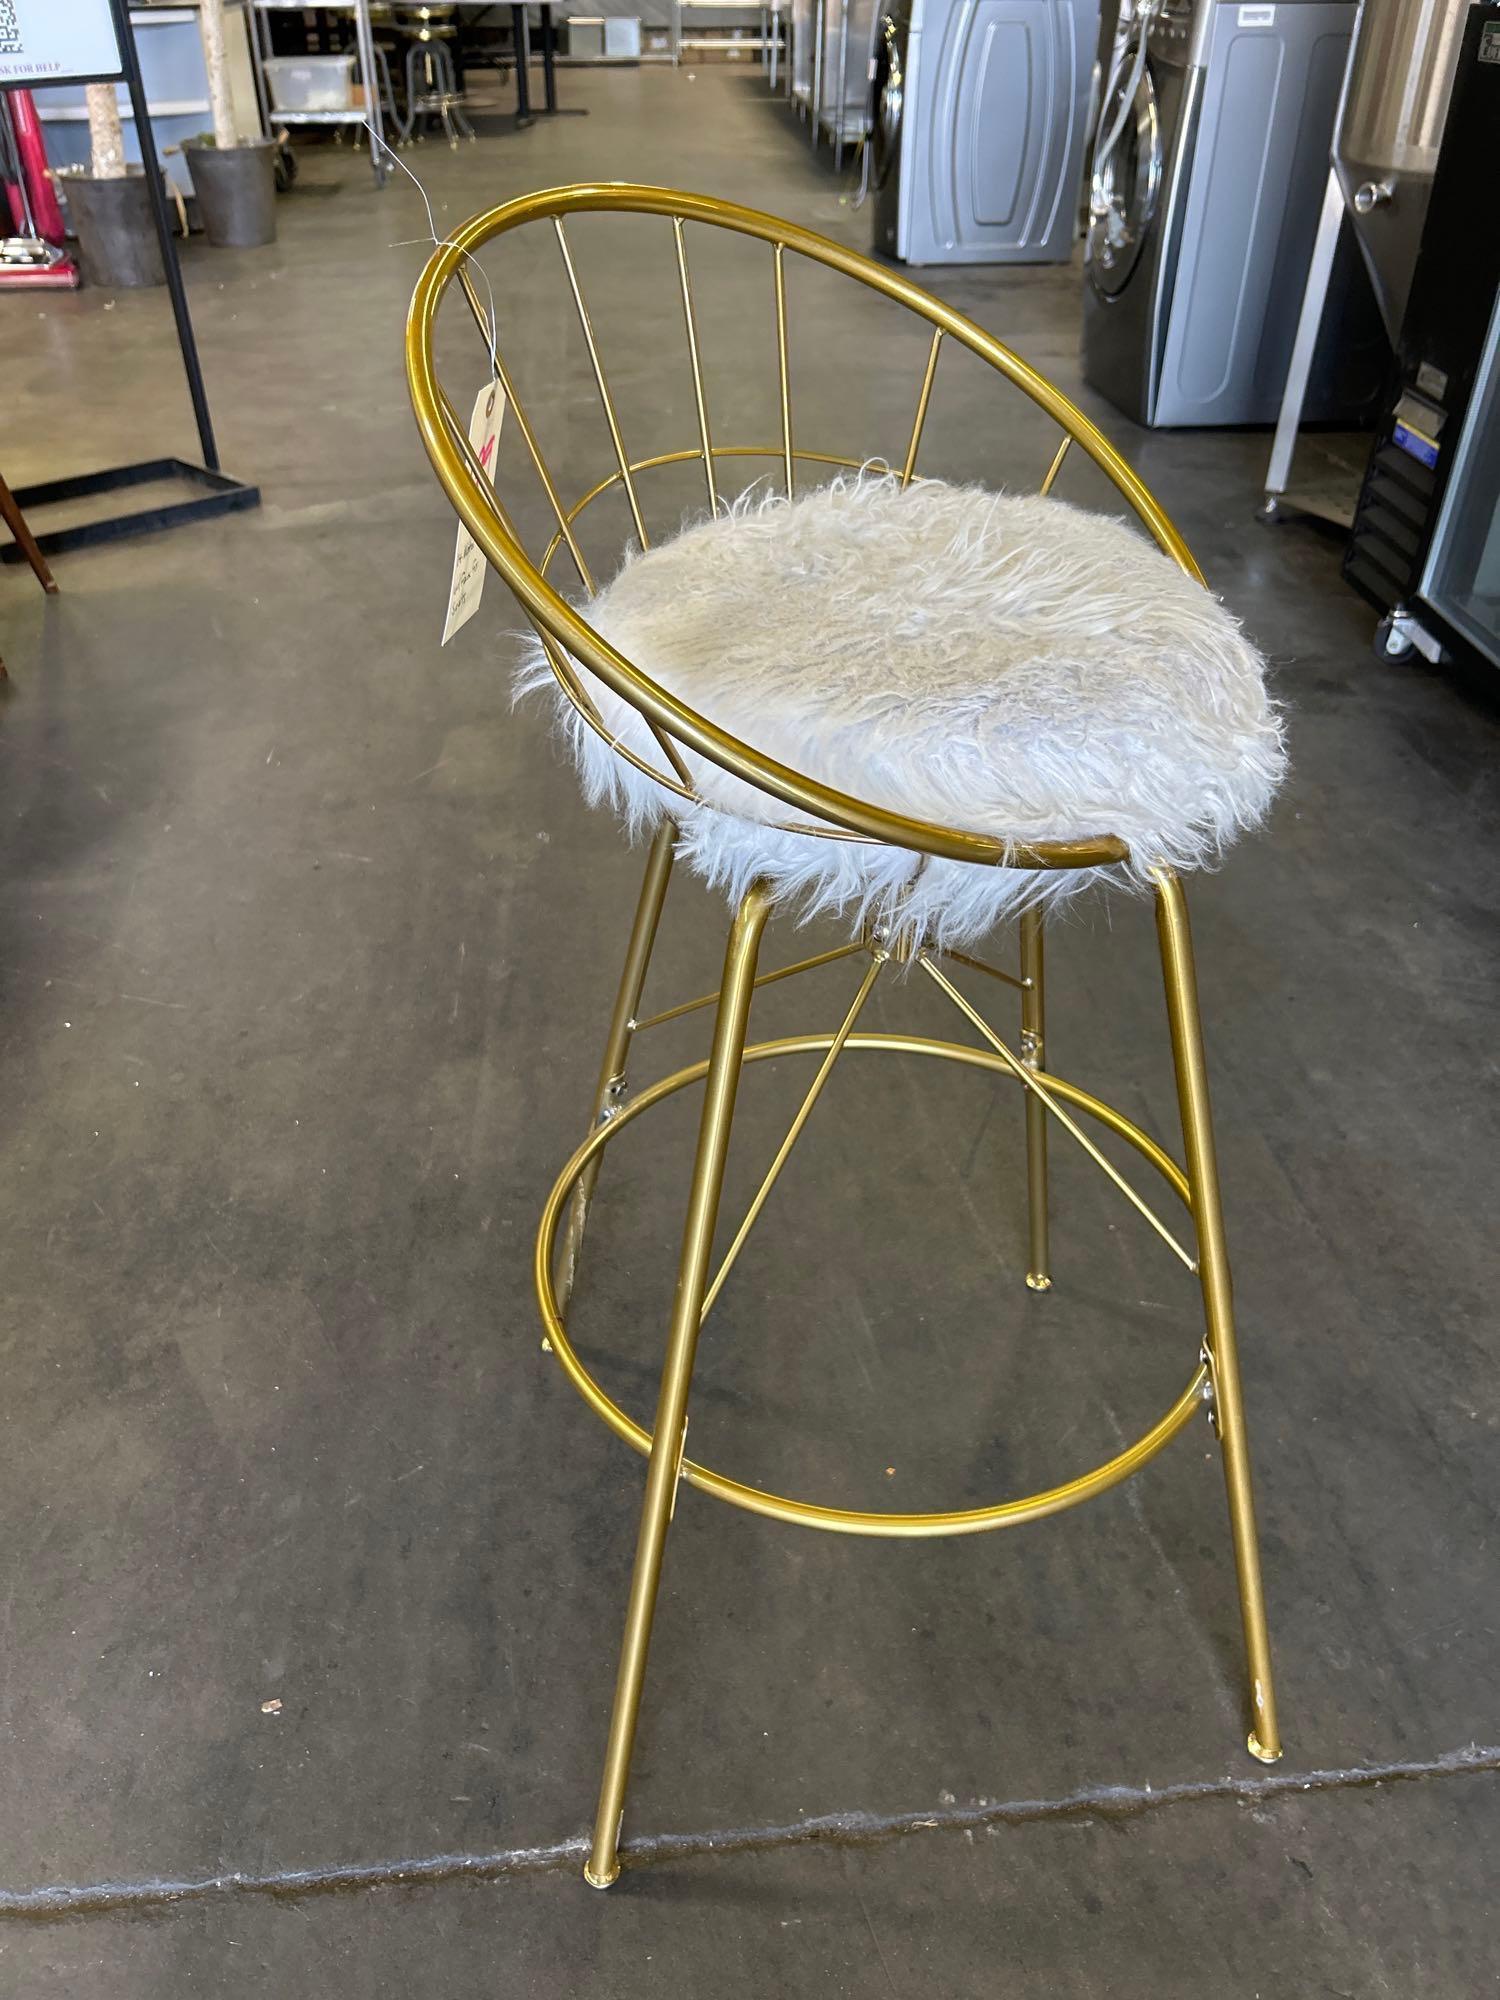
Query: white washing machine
[[980, 124]]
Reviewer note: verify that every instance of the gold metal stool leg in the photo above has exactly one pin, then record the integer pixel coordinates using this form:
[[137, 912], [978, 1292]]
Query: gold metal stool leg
[[664, 1468], [1033, 1054], [617, 1046], [1180, 975]]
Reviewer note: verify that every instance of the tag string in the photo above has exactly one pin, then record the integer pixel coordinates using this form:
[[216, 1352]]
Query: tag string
[[441, 243]]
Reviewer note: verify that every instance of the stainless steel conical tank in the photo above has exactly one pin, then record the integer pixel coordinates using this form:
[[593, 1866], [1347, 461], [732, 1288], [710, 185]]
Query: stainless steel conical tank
[[1387, 142]]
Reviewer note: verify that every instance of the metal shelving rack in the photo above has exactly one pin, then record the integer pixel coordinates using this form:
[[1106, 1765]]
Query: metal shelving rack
[[369, 78], [767, 43]]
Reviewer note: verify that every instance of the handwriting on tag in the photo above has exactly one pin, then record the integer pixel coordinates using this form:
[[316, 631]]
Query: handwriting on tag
[[469, 564]]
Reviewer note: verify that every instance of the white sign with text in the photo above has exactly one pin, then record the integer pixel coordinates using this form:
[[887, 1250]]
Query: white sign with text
[[54, 41]]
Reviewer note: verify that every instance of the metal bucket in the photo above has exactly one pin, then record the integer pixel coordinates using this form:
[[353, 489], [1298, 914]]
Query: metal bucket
[[236, 190], [112, 219]]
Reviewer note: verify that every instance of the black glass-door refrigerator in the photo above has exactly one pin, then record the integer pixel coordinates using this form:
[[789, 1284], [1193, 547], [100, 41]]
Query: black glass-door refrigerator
[[1425, 547]]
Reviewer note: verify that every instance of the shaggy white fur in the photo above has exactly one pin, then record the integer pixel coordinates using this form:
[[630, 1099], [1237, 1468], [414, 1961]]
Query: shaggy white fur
[[1009, 666]]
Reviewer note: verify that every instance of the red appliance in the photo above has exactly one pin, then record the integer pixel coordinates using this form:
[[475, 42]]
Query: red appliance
[[33, 257]]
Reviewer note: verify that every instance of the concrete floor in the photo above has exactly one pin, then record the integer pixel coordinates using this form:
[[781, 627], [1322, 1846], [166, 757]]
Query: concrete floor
[[305, 943]]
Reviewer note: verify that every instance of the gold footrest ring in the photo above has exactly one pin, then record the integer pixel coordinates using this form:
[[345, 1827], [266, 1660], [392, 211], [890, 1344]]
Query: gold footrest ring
[[841, 1520]]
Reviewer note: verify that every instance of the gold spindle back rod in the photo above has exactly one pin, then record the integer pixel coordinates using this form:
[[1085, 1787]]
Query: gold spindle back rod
[[528, 436], [690, 320], [786, 379], [459, 438], [571, 685], [604, 396], [921, 417], [481, 317], [1056, 466]]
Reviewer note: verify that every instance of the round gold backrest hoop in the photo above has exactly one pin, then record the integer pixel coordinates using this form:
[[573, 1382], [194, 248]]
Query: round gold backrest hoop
[[560, 623]]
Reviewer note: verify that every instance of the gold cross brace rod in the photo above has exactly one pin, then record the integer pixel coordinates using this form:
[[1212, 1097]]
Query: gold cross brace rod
[[1032, 1082]]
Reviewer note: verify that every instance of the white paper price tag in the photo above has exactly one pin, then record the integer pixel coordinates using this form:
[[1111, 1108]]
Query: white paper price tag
[[469, 564]]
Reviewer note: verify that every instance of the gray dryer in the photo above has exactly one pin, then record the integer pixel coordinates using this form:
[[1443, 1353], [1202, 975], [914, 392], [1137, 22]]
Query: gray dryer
[[1209, 169], [980, 125]]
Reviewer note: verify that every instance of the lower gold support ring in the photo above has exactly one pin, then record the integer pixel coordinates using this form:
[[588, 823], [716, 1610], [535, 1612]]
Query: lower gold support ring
[[840, 1520]]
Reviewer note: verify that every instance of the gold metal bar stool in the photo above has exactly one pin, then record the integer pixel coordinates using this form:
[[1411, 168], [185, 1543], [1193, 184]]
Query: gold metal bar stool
[[1127, 702]]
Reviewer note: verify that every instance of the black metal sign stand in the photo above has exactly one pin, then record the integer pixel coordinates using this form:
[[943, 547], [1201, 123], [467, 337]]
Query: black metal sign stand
[[220, 493]]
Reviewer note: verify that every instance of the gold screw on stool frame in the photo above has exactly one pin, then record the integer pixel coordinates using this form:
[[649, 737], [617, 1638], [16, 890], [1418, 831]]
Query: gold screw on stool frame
[[577, 652]]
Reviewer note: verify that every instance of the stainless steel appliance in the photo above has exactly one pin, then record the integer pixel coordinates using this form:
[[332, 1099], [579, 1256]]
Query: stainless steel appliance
[[981, 120], [803, 34], [1212, 148], [843, 65], [1425, 547], [1386, 147]]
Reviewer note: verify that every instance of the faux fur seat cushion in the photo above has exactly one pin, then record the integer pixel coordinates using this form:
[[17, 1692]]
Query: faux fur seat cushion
[[1015, 667]]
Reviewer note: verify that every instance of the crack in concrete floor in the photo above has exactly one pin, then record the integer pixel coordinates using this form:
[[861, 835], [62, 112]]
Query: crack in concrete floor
[[850, 1829]]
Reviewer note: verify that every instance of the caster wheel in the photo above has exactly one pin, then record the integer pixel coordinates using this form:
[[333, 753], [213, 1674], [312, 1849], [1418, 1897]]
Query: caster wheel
[[1391, 643]]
